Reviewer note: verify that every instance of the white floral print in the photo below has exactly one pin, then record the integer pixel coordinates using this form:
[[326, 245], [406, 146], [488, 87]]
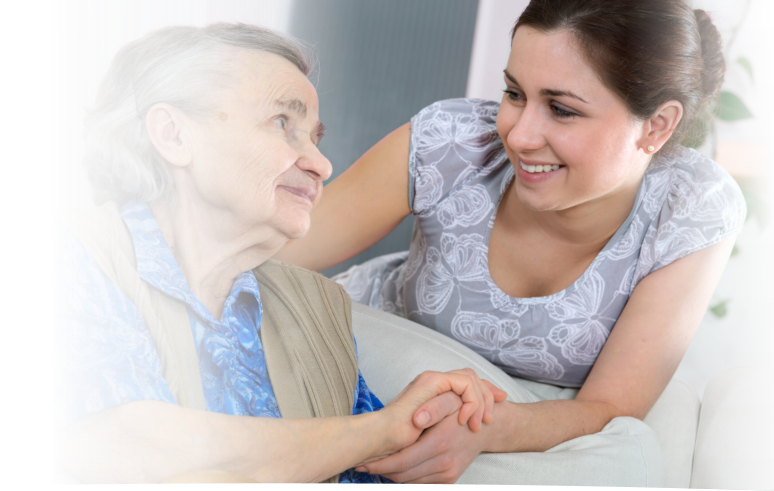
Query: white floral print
[[465, 209], [500, 340], [459, 260]]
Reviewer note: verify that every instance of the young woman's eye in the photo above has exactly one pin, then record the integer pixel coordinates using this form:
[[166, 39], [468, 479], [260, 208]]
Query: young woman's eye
[[562, 113], [281, 122], [513, 95]]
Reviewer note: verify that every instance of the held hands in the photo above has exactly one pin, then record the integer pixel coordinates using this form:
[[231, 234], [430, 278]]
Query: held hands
[[433, 396]]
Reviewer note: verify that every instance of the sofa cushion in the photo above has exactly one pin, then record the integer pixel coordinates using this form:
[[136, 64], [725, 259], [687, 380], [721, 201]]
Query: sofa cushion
[[394, 350]]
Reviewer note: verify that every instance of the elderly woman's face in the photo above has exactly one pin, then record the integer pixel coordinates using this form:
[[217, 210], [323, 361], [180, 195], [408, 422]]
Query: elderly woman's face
[[257, 159]]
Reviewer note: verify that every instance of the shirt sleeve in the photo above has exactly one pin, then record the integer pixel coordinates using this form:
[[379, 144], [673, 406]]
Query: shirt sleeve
[[703, 205], [105, 355], [452, 141]]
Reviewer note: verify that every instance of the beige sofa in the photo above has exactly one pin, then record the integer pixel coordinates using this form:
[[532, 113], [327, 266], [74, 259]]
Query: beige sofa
[[723, 443]]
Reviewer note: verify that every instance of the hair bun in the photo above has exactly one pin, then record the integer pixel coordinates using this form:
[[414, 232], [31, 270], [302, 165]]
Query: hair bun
[[712, 54]]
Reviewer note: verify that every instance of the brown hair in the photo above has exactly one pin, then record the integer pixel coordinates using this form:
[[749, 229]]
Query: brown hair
[[646, 51]]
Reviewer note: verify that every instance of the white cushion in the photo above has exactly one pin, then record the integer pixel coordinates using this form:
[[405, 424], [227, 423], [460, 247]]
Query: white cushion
[[394, 350], [736, 430]]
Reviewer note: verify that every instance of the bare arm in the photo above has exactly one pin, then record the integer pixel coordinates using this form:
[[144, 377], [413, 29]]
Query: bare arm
[[360, 207], [147, 441], [633, 368]]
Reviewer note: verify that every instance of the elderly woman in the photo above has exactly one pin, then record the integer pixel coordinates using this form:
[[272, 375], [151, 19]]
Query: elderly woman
[[185, 348], [566, 233]]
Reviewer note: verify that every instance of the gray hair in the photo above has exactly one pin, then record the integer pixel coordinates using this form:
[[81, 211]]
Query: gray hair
[[179, 66]]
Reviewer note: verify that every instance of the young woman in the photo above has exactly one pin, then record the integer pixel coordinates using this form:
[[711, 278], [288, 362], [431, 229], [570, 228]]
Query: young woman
[[566, 234]]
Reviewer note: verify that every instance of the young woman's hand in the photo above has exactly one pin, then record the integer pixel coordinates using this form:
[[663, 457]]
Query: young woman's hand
[[441, 455]]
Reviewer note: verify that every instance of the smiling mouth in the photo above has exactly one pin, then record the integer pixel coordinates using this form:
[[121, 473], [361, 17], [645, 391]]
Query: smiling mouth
[[536, 169], [306, 193]]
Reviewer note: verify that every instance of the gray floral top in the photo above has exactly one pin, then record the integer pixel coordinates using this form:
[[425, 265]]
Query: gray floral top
[[458, 172]]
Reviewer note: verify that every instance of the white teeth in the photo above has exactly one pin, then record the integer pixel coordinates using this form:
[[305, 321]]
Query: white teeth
[[538, 168]]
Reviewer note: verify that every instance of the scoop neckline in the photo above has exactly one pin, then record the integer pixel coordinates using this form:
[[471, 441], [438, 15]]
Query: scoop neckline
[[508, 179]]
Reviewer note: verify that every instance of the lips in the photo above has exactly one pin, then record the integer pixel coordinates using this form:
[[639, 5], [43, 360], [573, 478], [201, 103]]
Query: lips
[[308, 193], [533, 171]]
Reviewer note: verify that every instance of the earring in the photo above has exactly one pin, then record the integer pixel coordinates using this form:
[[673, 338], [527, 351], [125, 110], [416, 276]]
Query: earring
[[651, 148]]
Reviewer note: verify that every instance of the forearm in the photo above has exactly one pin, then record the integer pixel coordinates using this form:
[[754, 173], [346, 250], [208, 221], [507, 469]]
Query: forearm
[[538, 426], [147, 441]]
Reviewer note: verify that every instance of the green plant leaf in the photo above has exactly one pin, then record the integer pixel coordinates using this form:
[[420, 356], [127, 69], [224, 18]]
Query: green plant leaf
[[731, 107], [720, 309], [747, 66]]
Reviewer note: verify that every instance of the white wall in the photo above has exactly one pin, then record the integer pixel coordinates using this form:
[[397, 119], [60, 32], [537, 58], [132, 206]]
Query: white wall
[[90, 32], [491, 47]]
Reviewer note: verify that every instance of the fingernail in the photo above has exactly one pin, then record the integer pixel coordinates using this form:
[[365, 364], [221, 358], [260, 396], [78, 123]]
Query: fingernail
[[361, 469], [423, 418]]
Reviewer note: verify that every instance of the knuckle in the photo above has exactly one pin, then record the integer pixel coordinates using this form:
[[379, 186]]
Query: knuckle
[[442, 446], [447, 476]]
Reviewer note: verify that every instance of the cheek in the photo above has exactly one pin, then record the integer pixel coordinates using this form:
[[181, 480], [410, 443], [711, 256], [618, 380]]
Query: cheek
[[598, 153]]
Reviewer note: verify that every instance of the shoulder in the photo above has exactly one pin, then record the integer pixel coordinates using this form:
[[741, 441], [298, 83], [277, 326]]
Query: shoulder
[[480, 109], [293, 285], [698, 191], [278, 271], [76, 265], [451, 141], [691, 203], [82, 289], [469, 123]]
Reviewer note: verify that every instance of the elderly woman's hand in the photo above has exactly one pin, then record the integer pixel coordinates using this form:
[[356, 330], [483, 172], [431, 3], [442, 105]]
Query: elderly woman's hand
[[432, 396]]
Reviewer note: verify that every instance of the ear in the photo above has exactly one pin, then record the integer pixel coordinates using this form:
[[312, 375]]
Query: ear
[[166, 128], [658, 128]]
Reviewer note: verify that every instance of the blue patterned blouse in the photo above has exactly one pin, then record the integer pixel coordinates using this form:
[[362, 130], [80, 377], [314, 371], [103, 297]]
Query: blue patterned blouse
[[109, 357]]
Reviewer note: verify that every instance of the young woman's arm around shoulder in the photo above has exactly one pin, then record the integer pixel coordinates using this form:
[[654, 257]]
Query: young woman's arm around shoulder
[[633, 368], [360, 207]]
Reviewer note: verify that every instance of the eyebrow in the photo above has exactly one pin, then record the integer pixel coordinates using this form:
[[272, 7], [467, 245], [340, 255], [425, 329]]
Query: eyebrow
[[292, 105], [549, 92], [298, 107]]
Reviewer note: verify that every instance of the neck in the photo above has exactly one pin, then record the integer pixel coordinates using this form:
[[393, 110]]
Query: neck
[[212, 248], [586, 227]]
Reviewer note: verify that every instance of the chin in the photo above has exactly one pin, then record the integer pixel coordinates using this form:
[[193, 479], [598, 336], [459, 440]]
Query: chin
[[295, 227], [537, 201]]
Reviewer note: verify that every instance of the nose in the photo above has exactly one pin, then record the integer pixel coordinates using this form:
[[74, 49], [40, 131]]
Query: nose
[[314, 163], [526, 135]]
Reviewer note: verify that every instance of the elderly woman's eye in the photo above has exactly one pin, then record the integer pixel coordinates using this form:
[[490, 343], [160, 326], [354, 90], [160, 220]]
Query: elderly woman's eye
[[281, 122]]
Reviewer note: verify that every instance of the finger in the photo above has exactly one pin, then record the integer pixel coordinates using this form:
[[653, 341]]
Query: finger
[[436, 409], [437, 478], [473, 413], [499, 394], [488, 406], [430, 384], [402, 461], [429, 471]]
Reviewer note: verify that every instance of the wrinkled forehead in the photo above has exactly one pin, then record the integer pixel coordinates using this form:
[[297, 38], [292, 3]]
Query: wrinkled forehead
[[268, 80]]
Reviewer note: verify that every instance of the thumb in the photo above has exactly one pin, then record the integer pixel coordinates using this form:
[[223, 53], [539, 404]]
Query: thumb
[[499, 395], [436, 409]]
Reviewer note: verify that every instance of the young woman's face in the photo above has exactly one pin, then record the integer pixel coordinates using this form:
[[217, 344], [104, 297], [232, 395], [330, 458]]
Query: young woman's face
[[556, 112]]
